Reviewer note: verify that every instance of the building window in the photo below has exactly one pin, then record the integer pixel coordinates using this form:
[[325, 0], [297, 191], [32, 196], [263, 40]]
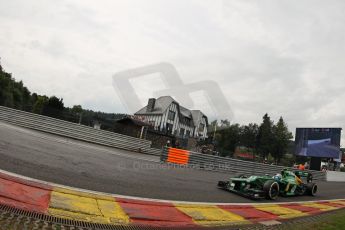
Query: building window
[[182, 132], [201, 127], [188, 133], [187, 121], [169, 128], [171, 115]]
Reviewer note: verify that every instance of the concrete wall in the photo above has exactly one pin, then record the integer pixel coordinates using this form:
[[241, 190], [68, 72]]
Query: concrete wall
[[335, 176]]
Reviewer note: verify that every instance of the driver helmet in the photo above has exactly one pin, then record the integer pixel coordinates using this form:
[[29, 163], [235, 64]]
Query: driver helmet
[[278, 177]]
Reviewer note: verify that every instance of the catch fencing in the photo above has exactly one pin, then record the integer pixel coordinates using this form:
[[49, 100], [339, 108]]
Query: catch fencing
[[224, 164], [75, 131]]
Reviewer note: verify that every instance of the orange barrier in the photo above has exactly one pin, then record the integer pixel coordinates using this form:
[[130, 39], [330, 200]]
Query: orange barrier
[[178, 156]]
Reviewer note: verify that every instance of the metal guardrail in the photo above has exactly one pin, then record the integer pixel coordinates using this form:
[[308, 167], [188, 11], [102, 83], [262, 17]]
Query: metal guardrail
[[224, 164], [75, 131]]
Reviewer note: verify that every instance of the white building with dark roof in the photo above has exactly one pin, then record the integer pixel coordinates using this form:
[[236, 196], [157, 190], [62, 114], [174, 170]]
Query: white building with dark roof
[[167, 115]]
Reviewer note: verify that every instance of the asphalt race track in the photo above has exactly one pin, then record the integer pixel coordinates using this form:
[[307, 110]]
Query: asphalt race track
[[94, 167]]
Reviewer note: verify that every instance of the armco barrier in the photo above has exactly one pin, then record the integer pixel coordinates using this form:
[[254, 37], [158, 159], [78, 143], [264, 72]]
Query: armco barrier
[[75, 131], [215, 163], [59, 203]]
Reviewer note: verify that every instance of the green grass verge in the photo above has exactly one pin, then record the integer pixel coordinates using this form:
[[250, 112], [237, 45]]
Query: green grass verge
[[334, 221]]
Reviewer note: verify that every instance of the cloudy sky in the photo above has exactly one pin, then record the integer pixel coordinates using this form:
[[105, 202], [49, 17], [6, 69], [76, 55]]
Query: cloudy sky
[[283, 57]]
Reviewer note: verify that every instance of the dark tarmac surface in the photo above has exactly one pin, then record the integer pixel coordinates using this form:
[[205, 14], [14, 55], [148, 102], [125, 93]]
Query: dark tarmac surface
[[88, 166]]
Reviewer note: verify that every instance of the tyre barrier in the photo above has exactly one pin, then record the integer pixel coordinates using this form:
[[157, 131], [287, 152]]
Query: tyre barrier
[[216, 163], [76, 206]]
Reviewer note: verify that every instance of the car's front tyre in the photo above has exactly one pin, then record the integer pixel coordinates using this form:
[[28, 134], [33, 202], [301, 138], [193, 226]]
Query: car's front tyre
[[223, 184], [271, 188]]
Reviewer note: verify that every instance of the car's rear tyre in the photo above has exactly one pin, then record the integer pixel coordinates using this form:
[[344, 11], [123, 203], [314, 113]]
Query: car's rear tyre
[[311, 189], [271, 188]]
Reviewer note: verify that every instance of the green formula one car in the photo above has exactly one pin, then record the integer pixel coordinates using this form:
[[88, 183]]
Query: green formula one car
[[288, 183]]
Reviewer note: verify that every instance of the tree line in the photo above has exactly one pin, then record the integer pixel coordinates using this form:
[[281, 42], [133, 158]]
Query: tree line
[[266, 140], [14, 94]]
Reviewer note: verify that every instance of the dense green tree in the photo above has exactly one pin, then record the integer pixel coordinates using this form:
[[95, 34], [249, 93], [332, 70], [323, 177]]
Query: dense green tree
[[17, 98], [224, 123], [40, 103], [228, 138], [268, 139], [77, 111], [33, 100], [6, 89], [248, 135], [26, 100], [54, 107], [281, 139], [13, 94], [265, 137]]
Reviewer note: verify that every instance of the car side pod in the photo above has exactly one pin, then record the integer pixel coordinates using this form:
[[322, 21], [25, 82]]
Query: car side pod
[[271, 188]]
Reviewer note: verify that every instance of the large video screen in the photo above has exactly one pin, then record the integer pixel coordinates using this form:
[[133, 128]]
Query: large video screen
[[318, 142]]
